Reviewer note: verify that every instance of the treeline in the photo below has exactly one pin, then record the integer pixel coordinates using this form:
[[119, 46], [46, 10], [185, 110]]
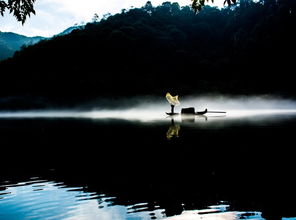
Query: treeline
[[243, 49]]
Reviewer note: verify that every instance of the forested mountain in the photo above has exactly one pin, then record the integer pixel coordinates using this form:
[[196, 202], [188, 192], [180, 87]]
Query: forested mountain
[[70, 29], [11, 42], [151, 50]]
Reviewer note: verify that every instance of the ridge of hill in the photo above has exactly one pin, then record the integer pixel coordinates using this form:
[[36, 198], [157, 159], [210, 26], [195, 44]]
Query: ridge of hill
[[11, 42]]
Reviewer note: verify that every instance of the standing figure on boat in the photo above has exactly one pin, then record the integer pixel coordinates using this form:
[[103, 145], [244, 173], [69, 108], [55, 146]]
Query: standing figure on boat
[[173, 100]]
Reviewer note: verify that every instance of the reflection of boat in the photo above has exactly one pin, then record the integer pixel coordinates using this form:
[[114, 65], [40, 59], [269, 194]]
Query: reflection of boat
[[191, 118]]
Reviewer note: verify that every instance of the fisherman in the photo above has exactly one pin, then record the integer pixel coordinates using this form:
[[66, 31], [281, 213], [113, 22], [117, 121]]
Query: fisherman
[[173, 100]]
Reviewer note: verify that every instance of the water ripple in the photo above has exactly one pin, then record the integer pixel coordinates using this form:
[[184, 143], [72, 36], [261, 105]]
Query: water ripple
[[55, 200]]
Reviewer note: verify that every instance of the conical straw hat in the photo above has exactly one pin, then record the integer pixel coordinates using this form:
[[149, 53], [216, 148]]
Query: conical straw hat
[[173, 100]]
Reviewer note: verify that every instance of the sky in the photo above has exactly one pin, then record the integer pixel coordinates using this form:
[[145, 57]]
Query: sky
[[54, 16]]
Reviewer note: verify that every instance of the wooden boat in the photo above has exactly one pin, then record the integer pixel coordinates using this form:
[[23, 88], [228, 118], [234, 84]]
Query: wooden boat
[[191, 111], [202, 112], [172, 114]]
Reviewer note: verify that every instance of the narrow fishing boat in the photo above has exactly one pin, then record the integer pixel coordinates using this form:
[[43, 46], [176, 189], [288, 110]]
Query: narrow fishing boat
[[185, 112], [174, 101]]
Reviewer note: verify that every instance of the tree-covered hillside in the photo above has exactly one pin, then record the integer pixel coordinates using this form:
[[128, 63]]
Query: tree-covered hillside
[[150, 50], [11, 42]]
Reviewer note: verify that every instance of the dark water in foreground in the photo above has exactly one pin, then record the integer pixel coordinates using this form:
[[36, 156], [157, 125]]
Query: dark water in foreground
[[206, 168]]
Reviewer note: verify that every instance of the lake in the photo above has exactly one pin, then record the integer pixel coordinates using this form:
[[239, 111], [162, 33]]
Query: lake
[[138, 163]]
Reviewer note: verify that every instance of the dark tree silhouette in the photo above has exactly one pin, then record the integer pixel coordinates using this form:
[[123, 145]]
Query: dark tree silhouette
[[150, 50], [197, 5], [21, 9]]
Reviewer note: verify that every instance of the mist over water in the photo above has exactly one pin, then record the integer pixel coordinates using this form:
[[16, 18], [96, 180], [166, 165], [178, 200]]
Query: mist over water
[[153, 109]]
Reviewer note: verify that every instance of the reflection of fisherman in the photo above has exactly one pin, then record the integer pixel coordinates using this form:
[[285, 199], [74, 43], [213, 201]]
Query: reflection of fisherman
[[173, 130], [173, 100]]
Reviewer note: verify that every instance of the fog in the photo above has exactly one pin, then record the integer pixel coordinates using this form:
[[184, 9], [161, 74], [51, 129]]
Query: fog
[[152, 109]]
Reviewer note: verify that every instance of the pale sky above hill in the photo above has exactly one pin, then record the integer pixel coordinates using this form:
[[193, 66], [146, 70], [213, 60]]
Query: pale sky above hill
[[54, 16]]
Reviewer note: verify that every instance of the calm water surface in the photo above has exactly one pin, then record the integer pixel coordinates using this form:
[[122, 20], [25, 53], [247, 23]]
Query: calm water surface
[[131, 165]]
